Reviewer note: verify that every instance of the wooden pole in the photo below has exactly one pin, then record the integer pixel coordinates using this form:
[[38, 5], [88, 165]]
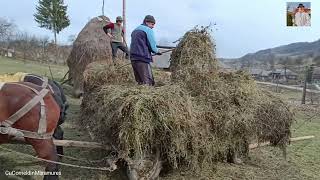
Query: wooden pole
[[124, 19], [102, 7], [254, 146], [303, 101], [95, 145], [68, 143]]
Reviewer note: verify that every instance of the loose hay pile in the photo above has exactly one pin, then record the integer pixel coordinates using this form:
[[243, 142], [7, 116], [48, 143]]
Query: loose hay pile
[[273, 118], [202, 116], [91, 45], [227, 102], [196, 49], [138, 120], [100, 73]]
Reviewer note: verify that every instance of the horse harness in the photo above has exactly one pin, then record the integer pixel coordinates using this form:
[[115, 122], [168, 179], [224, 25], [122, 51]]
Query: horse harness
[[6, 125]]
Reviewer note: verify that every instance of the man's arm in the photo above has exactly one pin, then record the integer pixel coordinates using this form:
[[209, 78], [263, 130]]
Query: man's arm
[[107, 29], [152, 41]]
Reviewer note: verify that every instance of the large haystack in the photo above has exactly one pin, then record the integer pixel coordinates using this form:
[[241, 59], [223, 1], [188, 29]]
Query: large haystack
[[92, 44]]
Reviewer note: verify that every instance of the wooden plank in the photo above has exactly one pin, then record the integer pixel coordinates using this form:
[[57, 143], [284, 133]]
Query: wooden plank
[[95, 145], [254, 146], [68, 143]]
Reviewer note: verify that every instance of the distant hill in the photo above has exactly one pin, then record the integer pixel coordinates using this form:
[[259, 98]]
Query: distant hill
[[292, 54]]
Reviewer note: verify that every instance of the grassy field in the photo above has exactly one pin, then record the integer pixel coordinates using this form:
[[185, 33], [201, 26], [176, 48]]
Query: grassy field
[[8, 65], [303, 160]]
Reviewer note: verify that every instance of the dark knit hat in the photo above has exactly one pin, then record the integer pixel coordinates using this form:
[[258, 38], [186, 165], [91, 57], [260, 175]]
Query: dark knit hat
[[300, 6], [149, 18]]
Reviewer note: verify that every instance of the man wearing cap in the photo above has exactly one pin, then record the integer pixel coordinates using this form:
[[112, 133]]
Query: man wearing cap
[[143, 45], [116, 32], [301, 17]]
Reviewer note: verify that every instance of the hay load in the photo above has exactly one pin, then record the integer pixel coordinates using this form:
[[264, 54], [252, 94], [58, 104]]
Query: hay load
[[202, 116], [91, 45], [140, 119]]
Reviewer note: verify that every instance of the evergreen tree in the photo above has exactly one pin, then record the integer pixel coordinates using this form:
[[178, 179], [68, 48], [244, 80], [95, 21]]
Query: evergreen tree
[[52, 15]]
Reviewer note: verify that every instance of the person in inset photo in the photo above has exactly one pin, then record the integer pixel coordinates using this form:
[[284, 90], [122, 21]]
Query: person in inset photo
[[301, 17]]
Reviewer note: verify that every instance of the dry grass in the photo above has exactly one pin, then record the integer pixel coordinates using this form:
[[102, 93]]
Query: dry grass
[[202, 116]]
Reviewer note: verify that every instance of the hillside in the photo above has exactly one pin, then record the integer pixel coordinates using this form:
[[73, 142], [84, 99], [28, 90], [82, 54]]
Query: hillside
[[292, 54]]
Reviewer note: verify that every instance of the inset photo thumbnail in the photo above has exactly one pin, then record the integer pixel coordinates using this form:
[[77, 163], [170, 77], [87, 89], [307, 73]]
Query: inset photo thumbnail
[[298, 14]]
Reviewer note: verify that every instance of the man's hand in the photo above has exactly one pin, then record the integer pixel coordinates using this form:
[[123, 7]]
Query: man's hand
[[110, 35]]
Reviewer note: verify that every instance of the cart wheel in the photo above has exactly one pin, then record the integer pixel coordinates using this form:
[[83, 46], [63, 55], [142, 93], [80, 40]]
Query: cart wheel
[[144, 169]]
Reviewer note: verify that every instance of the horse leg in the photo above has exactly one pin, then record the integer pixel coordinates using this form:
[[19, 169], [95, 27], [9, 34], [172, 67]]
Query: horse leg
[[58, 134], [45, 149]]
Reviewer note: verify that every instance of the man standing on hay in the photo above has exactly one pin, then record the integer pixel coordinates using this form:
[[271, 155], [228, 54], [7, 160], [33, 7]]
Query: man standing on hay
[[143, 44], [116, 32]]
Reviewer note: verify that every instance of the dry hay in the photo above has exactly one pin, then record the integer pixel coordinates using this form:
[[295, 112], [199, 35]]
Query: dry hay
[[273, 119], [196, 49], [202, 116], [138, 120], [92, 44], [227, 102], [190, 131], [161, 77], [100, 73], [230, 101]]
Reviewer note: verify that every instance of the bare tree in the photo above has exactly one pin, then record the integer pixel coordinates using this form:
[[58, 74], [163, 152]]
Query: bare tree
[[22, 43], [7, 32], [5, 28], [44, 41]]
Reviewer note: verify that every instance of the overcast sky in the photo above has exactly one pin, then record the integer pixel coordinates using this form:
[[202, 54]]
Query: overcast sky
[[243, 27]]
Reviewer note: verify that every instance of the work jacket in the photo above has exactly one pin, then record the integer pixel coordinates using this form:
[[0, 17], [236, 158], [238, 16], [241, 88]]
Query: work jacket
[[143, 44]]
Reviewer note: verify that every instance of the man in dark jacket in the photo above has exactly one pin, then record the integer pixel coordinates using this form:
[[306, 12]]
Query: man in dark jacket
[[115, 31], [143, 44]]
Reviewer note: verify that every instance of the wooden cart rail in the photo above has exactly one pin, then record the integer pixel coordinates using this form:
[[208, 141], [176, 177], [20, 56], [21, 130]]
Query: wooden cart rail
[[95, 145]]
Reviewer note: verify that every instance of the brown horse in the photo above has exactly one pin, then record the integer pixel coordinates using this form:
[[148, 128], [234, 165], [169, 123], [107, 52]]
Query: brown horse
[[13, 96]]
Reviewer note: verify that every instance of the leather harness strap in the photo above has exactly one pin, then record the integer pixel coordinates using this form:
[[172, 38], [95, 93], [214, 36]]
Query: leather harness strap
[[1, 85], [45, 81], [42, 128]]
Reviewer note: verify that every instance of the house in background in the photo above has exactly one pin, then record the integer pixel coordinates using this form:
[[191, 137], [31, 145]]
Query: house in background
[[162, 61], [256, 73], [316, 75], [7, 52], [279, 74], [284, 74]]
